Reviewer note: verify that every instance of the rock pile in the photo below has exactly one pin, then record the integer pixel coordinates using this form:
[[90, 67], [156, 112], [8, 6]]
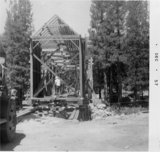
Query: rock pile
[[99, 111]]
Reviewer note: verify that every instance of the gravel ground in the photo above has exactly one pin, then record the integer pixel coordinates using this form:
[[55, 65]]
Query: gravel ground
[[116, 133]]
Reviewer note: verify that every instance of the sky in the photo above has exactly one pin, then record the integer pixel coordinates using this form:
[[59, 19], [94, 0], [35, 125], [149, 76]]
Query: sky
[[75, 13]]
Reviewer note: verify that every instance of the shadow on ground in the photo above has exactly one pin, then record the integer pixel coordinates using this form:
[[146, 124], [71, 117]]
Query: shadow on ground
[[10, 146]]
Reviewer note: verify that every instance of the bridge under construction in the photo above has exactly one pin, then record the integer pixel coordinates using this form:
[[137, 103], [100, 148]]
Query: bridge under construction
[[58, 69]]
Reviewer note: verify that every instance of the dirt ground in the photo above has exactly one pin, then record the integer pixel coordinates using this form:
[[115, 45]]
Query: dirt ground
[[116, 133]]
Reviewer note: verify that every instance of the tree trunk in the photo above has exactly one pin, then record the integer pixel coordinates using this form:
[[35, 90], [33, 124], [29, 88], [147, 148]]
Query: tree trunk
[[105, 87], [135, 83], [119, 90], [110, 86], [135, 93], [99, 90], [119, 83]]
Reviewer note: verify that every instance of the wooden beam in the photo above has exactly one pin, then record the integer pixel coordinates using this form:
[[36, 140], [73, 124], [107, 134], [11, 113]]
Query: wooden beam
[[55, 37], [75, 44], [36, 45], [31, 68], [68, 99], [40, 89], [2, 121], [81, 65], [55, 26]]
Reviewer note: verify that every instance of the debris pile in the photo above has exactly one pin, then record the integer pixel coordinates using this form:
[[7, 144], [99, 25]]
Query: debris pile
[[55, 110], [99, 111]]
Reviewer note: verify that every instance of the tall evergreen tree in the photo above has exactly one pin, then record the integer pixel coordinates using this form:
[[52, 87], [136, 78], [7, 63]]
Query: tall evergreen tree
[[107, 34], [138, 45], [18, 29]]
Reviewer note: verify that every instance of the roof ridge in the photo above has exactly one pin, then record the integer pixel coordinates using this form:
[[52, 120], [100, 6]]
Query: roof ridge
[[54, 21]]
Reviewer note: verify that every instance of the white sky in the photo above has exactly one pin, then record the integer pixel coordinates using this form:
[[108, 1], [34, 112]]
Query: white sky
[[75, 13]]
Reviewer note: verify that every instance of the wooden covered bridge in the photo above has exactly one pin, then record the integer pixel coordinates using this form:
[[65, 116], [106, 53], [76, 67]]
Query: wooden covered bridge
[[57, 65]]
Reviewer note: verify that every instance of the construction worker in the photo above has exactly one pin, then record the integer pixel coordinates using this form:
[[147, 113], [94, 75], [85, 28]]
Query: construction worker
[[57, 85]]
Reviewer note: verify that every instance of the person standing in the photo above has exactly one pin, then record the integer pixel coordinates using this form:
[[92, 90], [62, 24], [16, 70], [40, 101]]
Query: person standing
[[57, 85]]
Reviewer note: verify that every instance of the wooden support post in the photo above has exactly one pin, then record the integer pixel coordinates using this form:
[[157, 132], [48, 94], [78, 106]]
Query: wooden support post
[[91, 74], [81, 65], [31, 69]]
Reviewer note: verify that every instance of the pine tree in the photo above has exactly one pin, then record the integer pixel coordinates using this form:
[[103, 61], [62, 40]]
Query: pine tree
[[107, 35], [18, 29], [138, 46]]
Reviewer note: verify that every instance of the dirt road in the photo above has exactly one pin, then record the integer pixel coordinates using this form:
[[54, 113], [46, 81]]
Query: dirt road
[[124, 133]]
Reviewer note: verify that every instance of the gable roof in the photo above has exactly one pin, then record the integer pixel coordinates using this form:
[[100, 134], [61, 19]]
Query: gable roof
[[55, 37], [55, 28]]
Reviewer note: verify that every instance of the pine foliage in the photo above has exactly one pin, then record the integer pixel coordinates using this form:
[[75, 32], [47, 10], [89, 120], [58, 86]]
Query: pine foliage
[[18, 29], [119, 35], [137, 42]]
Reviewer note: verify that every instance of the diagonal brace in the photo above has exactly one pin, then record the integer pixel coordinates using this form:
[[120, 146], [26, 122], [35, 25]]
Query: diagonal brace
[[42, 88], [55, 74], [75, 44]]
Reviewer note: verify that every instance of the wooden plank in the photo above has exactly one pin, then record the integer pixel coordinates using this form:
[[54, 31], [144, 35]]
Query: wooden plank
[[68, 99], [43, 99], [72, 115], [76, 114], [2, 121]]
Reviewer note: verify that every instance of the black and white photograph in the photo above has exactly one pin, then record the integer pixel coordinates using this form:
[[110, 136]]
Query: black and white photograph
[[79, 75]]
